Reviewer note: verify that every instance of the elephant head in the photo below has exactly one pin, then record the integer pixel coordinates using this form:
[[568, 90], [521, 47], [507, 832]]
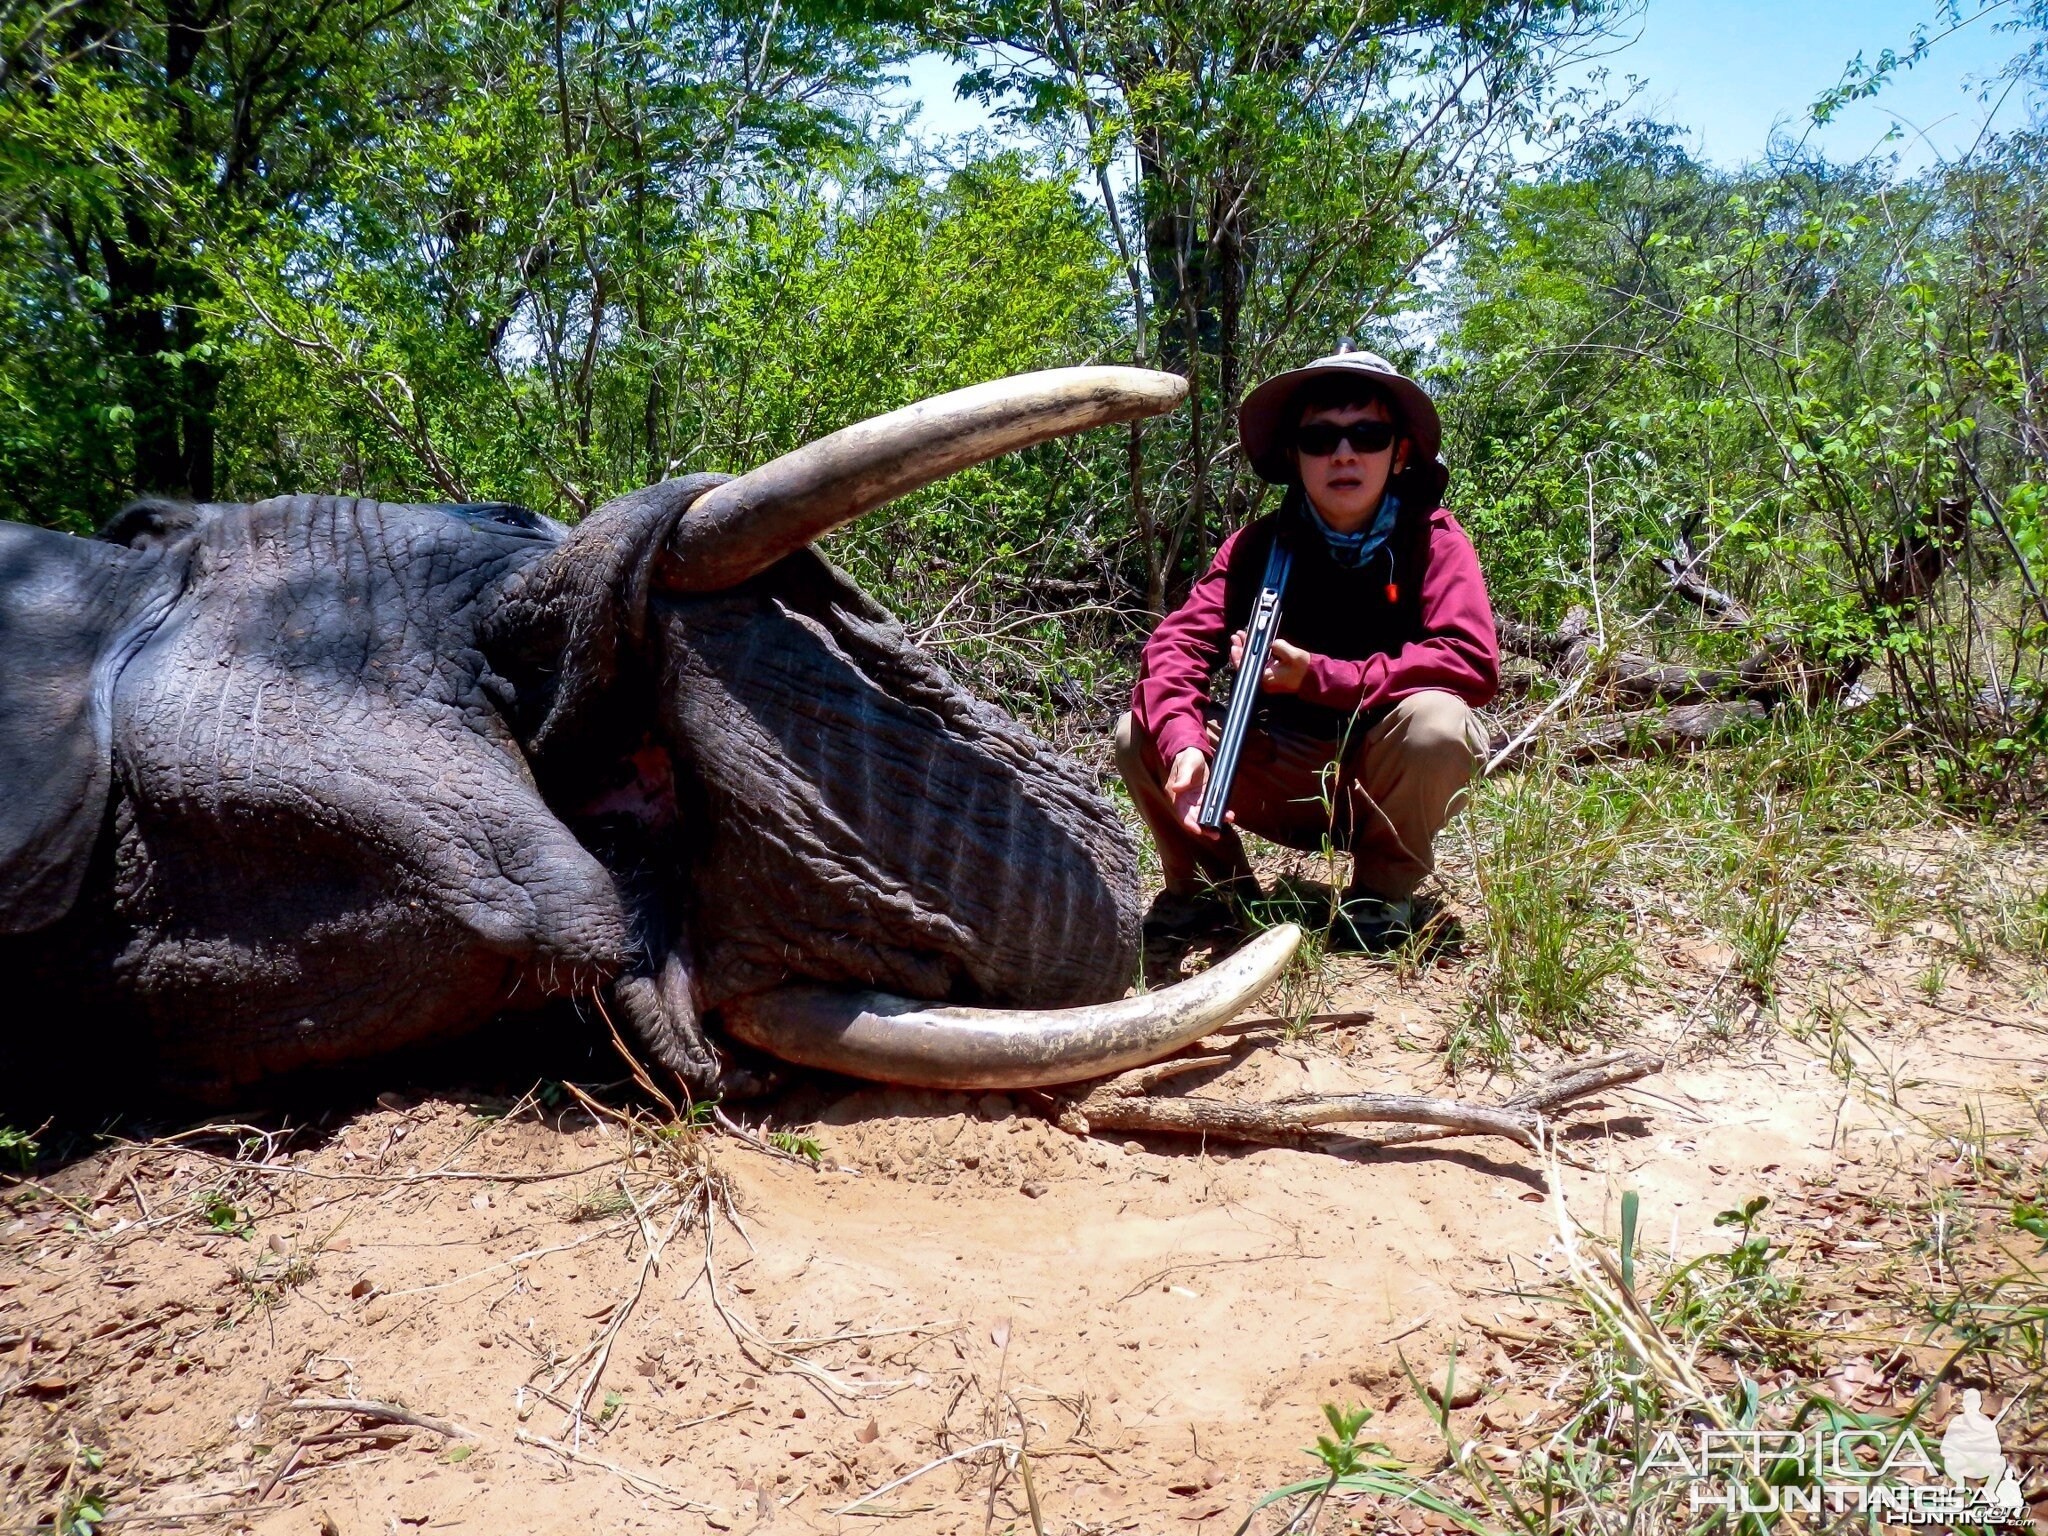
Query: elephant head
[[296, 782]]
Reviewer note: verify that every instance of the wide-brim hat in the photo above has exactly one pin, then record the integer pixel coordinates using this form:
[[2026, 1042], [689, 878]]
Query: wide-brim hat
[[1266, 420]]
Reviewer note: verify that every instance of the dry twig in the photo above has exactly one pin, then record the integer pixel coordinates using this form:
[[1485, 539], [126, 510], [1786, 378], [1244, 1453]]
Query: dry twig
[[633, 1478], [1123, 1104], [382, 1413]]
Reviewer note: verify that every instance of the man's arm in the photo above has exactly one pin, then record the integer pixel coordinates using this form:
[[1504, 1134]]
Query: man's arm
[[1173, 674], [1457, 651]]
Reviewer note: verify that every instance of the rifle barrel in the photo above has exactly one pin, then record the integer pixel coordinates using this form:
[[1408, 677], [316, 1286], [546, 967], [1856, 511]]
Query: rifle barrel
[[1260, 631]]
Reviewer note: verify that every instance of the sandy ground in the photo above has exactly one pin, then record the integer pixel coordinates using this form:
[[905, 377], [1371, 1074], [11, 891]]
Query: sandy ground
[[1163, 1320]]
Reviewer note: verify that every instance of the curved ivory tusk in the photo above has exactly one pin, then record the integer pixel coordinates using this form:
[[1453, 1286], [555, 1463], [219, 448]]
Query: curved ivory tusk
[[746, 525], [923, 1045]]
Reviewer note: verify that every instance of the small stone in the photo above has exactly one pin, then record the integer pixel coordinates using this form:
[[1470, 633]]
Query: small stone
[[1464, 1388], [163, 1402], [1513, 1411], [1033, 1188], [1134, 1146]]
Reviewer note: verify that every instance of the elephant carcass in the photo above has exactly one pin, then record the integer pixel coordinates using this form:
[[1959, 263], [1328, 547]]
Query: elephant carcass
[[298, 782]]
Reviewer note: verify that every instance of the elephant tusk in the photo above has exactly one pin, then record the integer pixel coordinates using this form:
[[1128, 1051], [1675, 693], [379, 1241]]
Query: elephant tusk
[[746, 525], [925, 1045]]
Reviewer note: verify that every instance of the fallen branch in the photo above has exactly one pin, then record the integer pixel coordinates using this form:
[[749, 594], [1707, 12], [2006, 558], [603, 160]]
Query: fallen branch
[[290, 1463], [1781, 670], [1685, 572], [1290, 1121], [1648, 732], [930, 1466], [637, 1480], [382, 1413], [362, 1408], [1550, 1093], [1123, 1103]]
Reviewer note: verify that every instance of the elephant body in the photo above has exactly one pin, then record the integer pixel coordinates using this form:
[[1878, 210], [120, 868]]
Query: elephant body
[[303, 781]]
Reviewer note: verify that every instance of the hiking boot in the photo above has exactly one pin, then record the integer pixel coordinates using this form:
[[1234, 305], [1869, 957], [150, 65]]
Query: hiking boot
[[1372, 925], [1178, 915]]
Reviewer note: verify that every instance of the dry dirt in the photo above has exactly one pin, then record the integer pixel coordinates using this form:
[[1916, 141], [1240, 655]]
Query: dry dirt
[[1165, 1320]]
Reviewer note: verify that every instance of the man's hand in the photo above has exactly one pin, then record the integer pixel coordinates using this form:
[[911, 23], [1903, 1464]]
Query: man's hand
[[1286, 665], [1185, 781]]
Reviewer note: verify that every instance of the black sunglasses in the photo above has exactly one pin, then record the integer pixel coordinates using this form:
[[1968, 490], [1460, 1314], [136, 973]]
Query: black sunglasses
[[1319, 439]]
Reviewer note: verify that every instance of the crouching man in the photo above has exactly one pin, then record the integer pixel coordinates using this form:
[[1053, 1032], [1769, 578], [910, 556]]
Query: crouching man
[[1365, 736]]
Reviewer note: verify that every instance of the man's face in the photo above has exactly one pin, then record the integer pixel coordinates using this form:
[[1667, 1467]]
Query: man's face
[[1345, 485]]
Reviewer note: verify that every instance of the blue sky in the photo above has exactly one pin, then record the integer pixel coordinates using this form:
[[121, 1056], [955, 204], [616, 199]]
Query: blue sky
[[1732, 71]]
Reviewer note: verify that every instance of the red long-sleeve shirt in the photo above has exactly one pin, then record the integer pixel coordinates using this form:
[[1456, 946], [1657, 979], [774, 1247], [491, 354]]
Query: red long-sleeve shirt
[[1416, 616]]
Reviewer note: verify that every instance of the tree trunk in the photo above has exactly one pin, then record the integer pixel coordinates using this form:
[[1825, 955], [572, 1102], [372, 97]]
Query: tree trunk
[[1141, 519]]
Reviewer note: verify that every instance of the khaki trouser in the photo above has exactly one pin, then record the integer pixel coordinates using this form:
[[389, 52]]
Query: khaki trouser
[[1383, 800]]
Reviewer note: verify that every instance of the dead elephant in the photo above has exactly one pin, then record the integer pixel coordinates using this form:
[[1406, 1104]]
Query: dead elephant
[[299, 782]]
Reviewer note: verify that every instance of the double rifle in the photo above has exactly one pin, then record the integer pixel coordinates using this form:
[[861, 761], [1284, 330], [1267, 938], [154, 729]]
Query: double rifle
[[1244, 690]]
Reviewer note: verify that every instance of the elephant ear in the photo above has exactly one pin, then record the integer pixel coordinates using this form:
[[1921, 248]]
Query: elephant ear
[[71, 611]]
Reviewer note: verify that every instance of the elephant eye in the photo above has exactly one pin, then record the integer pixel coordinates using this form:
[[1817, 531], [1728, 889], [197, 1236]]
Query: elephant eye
[[498, 514]]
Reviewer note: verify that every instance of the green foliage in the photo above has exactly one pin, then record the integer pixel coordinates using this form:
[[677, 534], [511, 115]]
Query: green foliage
[[1631, 1207], [441, 249], [699, 1115], [796, 1145], [1807, 378], [2031, 1218], [224, 1216], [1339, 1450], [276, 244], [1551, 943], [1352, 1466], [1287, 192], [81, 1514], [1740, 1299], [19, 1147]]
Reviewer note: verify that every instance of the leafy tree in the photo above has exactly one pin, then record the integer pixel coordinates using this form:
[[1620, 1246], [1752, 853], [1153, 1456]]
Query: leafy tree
[[136, 137], [1818, 384], [1295, 168], [407, 197]]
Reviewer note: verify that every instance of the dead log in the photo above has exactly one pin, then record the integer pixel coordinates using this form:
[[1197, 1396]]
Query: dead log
[[1919, 556], [1613, 1070], [1773, 675], [1906, 575], [1632, 678], [1561, 648], [1639, 733], [1124, 1103], [1684, 572]]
